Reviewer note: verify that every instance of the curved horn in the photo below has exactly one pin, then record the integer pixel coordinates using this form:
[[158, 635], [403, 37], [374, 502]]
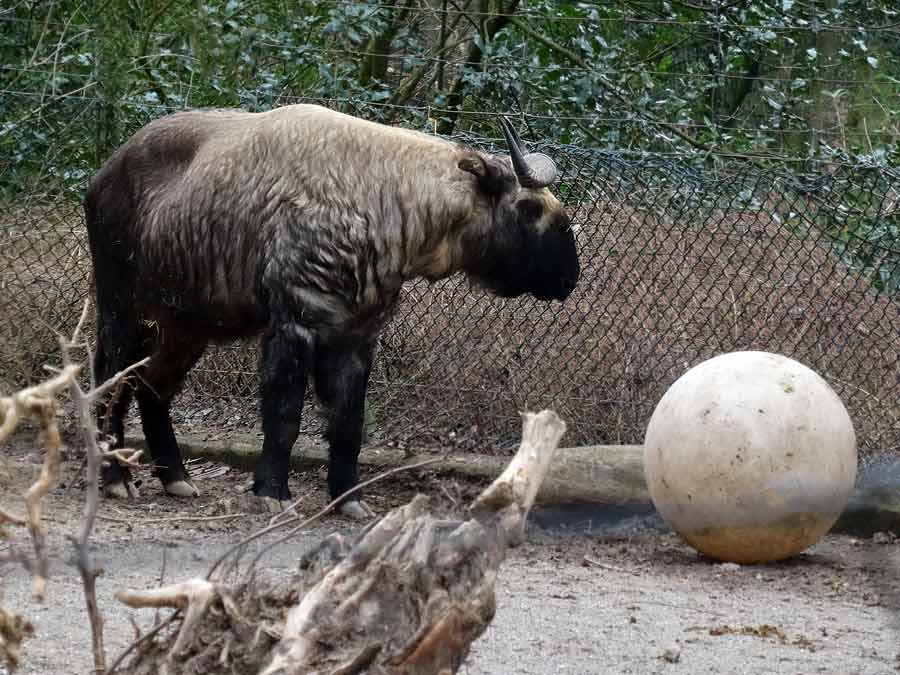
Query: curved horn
[[515, 150], [534, 169]]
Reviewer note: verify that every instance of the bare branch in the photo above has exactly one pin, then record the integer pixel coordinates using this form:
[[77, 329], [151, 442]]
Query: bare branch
[[96, 393], [78, 328], [48, 477], [26, 403], [83, 558], [37, 402], [149, 635], [7, 517], [193, 596]]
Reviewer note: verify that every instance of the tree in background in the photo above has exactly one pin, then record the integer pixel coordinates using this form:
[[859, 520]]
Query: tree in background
[[777, 76], [773, 80]]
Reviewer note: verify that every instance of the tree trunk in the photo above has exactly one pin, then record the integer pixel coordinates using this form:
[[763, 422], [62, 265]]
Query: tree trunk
[[375, 64], [111, 56], [822, 117], [490, 27], [407, 597]]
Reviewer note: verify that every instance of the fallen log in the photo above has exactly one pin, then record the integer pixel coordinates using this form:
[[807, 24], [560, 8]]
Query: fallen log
[[406, 596]]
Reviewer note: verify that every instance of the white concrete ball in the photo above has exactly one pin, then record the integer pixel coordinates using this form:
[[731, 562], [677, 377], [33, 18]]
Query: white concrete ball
[[750, 457]]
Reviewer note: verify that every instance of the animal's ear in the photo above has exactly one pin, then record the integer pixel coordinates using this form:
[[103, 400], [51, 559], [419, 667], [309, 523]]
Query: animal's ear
[[494, 177]]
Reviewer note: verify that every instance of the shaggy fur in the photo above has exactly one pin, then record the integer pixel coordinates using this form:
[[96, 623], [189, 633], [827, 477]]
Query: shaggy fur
[[301, 224]]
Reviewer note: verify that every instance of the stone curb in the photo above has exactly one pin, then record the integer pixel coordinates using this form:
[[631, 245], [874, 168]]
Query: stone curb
[[597, 475]]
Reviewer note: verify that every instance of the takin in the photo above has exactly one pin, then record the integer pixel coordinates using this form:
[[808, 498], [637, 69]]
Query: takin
[[299, 225]]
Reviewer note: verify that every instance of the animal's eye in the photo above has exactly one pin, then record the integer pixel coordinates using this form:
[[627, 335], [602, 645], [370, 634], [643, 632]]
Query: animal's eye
[[530, 210]]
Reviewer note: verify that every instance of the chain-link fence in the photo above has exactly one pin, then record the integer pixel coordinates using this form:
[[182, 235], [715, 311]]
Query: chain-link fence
[[679, 264]]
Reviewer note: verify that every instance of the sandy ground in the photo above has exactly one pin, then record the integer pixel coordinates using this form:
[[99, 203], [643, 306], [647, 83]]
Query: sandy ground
[[627, 597]]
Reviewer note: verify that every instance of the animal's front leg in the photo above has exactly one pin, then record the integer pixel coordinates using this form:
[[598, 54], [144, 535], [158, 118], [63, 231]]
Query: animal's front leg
[[285, 359], [342, 376]]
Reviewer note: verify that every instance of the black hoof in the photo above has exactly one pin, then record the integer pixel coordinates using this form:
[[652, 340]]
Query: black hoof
[[113, 473], [272, 489], [118, 482]]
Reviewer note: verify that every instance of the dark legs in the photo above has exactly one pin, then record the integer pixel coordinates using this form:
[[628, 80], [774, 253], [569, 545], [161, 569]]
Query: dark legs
[[160, 382], [285, 361], [118, 346], [342, 376]]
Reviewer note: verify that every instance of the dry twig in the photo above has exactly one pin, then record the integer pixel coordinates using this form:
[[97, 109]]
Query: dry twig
[[13, 631], [86, 567], [39, 403]]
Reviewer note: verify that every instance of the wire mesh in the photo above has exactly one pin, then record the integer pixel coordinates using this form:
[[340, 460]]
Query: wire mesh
[[679, 264]]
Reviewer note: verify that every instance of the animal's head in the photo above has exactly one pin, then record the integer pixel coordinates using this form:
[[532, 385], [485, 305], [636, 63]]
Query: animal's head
[[528, 245]]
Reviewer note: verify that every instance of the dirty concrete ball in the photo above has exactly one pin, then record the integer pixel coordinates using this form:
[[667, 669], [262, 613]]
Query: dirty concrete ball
[[750, 457]]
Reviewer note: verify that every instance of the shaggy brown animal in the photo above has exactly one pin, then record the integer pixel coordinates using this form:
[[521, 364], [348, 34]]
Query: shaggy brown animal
[[301, 224]]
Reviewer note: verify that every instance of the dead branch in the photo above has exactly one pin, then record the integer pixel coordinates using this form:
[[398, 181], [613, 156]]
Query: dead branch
[[408, 596], [7, 517], [39, 403], [35, 494], [21, 405], [13, 631], [141, 639], [193, 596], [511, 496], [94, 456]]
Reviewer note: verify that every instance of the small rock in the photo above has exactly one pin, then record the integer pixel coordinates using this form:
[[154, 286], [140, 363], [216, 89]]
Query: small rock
[[671, 654], [730, 567]]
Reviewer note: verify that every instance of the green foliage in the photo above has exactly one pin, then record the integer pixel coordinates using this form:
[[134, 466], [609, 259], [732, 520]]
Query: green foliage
[[771, 78]]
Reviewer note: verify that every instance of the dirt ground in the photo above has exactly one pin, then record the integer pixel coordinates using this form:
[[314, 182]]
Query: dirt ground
[[622, 596]]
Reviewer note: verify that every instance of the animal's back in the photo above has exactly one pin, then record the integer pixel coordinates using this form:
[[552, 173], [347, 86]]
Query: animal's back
[[195, 205]]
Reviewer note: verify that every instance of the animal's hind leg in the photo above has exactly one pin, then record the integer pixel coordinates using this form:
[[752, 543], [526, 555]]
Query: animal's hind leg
[[111, 422], [342, 377], [119, 345], [160, 382], [285, 360]]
